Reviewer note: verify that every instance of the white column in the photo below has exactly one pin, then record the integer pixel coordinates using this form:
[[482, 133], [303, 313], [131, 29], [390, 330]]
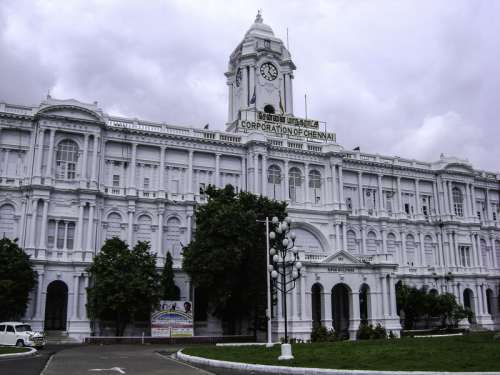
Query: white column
[[230, 106], [306, 187], [360, 194], [264, 175], [217, 171], [422, 251], [494, 252], [190, 172], [445, 198], [337, 237], [479, 251], [130, 234], [392, 297], [383, 233], [363, 239], [385, 296], [334, 185], [341, 188], [344, 235], [188, 227], [79, 231], [39, 292], [65, 240], [76, 282], [417, 197], [83, 172], [354, 323], [159, 249], [256, 173], [161, 174], [133, 161], [243, 174], [32, 237], [287, 182], [478, 301], [303, 302], [94, 159], [90, 227], [473, 198], [381, 209], [400, 198], [467, 200], [327, 298], [488, 206], [43, 235], [6, 163], [39, 154], [48, 172], [450, 200], [440, 249], [437, 207], [474, 259], [402, 236]]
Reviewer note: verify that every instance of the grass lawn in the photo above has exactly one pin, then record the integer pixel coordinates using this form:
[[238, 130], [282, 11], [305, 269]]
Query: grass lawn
[[11, 350], [473, 352]]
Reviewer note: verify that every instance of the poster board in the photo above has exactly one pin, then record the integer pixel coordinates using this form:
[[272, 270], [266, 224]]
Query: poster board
[[173, 319]]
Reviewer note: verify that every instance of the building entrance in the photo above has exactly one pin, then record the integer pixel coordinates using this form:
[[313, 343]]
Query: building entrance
[[340, 308], [56, 306]]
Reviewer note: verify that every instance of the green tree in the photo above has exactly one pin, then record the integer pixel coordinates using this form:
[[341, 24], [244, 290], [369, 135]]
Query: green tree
[[17, 279], [228, 255], [124, 285], [168, 289]]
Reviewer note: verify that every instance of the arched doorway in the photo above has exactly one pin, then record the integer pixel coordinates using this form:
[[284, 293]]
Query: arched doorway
[[56, 306], [316, 293], [489, 300], [469, 301], [340, 308], [364, 303]]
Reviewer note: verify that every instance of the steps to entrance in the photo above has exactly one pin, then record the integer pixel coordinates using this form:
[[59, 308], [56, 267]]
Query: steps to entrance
[[59, 338]]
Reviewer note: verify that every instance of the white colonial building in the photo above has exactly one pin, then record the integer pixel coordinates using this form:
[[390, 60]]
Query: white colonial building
[[72, 176]]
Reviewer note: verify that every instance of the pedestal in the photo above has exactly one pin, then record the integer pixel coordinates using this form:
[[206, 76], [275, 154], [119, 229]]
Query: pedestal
[[286, 352]]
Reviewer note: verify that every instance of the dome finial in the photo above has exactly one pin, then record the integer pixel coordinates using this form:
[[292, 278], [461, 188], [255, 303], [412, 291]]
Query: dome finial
[[258, 18]]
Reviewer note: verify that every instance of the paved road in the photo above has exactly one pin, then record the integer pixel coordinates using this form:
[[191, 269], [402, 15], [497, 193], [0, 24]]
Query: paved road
[[118, 359], [32, 365]]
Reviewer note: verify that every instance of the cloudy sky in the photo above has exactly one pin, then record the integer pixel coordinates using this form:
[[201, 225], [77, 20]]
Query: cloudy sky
[[408, 78]]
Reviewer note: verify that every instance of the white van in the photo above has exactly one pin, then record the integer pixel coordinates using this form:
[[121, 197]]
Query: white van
[[20, 334]]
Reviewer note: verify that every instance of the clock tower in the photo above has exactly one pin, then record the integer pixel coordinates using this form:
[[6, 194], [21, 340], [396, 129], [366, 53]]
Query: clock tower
[[259, 76]]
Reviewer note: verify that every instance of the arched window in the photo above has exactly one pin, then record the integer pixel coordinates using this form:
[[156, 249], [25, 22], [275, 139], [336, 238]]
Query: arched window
[[295, 181], [315, 184], [410, 249], [429, 251], [172, 238], [371, 243], [114, 225], [458, 201], [391, 244], [144, 228], [352, 244], [274, 175], [66, 160], [7, 221]]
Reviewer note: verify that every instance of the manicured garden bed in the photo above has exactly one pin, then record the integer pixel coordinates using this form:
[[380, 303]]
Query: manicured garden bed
[[12, 350], [472, 352]]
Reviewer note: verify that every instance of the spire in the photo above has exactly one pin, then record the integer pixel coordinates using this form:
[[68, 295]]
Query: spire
[[258, 18]]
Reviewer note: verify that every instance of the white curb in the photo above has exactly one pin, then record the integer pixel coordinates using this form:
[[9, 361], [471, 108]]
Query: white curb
[[32, 351], [306, 370]]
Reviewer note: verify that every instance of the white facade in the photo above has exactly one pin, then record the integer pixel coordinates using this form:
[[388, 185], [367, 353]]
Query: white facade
[[72, 176]]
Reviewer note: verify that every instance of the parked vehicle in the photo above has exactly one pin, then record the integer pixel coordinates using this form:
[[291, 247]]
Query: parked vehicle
[[20, 334]]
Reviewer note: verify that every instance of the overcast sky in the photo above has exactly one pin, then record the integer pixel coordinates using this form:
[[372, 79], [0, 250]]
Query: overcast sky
[[409, 78]]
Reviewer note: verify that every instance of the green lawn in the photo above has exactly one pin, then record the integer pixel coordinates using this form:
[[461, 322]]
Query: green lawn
[[474, 352], [11, 349]]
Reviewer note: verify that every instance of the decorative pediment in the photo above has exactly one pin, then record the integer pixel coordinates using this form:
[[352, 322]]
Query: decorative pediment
[[71, 108], [341, 257]]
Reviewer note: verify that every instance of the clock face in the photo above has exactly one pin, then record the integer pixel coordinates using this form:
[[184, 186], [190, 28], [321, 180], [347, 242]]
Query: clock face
[[269, 71], [238, 77]]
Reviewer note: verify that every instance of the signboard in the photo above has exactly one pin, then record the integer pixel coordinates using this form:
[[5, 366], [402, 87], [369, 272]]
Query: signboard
[[288, 120], [282, 129], [173, 319]]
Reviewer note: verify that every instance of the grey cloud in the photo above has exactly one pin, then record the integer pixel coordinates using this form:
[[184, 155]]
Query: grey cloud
[[413, 78]]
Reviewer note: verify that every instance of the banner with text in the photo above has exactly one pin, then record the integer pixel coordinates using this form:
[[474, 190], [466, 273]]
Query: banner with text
[[280, 130], [173, 319]]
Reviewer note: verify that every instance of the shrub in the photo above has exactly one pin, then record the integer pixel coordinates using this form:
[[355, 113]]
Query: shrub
[[321, 334], [368, 332]]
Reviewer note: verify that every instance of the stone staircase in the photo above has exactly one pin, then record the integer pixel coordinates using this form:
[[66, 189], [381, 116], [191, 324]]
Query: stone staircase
[[59, 338]]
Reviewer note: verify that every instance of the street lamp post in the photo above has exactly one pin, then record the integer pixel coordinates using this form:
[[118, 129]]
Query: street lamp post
[[285, 270]]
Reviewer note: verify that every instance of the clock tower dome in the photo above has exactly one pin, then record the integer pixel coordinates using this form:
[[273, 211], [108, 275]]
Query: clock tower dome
[[259, 76]]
